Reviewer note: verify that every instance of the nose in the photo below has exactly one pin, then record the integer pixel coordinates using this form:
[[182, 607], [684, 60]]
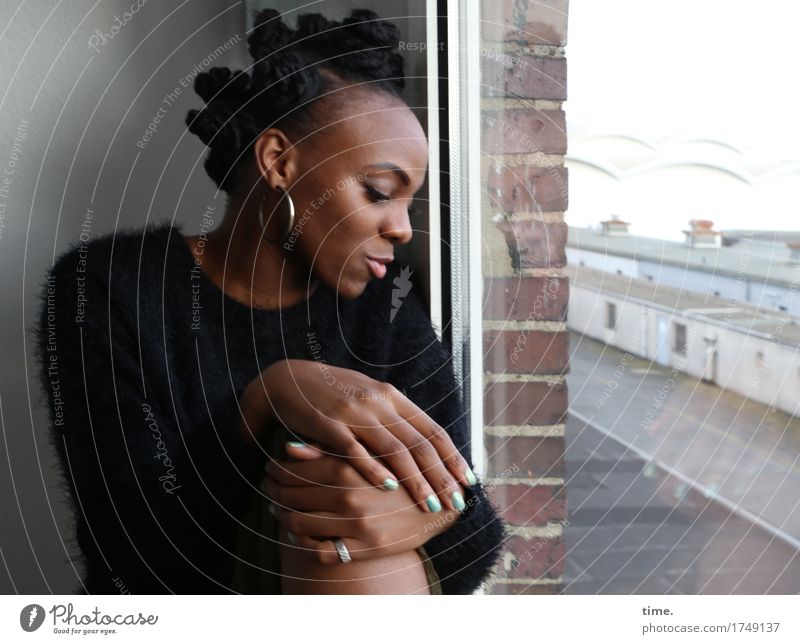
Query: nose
[[396, 226]]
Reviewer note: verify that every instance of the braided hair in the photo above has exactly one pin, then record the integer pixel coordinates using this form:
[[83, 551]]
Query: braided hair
[[292, 68]]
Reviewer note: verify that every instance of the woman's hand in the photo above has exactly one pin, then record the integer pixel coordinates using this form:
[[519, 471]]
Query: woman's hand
[[360, 418], [323, 497]]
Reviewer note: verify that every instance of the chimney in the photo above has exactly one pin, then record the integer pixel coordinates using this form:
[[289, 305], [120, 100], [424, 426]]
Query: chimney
[[614, 226], [794, 252], [702, 234]]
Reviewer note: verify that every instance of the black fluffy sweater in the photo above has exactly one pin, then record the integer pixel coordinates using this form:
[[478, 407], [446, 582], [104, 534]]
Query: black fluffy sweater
[[142, 361]]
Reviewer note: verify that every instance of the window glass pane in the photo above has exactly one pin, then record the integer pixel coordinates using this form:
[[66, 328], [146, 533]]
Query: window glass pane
[[682, 433]]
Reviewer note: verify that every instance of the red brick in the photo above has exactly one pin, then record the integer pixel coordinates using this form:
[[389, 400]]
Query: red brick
[[534, 244], [535, 22], [526, 298], [524, 131], [529, 456], [526, 351], [523, 76], [524, 403], [528, 188], [522, 504], [534, 558]]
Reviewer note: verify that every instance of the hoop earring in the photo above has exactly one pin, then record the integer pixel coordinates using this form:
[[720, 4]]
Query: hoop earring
[[287, 199]]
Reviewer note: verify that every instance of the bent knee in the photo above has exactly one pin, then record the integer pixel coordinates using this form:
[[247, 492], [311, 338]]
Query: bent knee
[[397, 574]]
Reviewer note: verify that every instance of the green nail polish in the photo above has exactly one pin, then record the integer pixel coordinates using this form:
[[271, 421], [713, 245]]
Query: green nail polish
[[290, 536], [296, 444], [458, 501], [390, 484], [433, 503], [470, 476]]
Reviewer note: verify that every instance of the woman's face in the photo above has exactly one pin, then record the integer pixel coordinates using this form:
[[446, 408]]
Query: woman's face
[[355, 183]]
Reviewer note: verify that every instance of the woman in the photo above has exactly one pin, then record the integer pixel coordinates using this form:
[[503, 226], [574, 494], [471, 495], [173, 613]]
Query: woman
[[255, 409]]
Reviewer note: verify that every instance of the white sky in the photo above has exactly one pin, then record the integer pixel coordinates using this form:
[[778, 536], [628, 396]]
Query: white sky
[[725, 69]]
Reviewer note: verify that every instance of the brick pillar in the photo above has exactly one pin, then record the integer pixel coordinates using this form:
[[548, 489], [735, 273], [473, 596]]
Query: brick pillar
[[525, 295]]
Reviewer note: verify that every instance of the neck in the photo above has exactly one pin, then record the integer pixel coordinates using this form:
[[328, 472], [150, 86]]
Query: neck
[[251, 268]]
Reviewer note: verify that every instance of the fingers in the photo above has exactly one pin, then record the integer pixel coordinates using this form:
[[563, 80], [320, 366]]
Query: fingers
[[297, 498], [317, 523], [303, 451], [370, 467], [438, 438], [328, 470], [343, 441], [396, 454], [446, 488], [370, 534], [316, 498], [324, 550]]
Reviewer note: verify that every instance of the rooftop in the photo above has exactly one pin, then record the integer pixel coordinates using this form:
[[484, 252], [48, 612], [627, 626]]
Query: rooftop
[[763, 257], [725, 312]]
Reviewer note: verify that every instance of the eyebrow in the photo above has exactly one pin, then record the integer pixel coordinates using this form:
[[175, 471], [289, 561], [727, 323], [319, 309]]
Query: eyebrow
[[388, 165]]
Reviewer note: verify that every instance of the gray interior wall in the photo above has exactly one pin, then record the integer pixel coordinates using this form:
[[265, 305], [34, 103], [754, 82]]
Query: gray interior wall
[[71, 116], [83, 111]]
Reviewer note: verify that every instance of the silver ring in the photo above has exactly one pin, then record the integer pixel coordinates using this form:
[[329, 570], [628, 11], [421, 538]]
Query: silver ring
[[344, 555]]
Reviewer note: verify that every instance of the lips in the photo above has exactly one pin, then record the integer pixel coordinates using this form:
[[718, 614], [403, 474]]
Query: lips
[[377, 265]]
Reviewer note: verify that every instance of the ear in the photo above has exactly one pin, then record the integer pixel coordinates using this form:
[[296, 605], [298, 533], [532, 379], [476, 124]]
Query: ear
[[276, 158]]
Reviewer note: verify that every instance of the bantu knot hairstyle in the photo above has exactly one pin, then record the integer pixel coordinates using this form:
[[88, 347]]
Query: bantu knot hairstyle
[[291, 69]]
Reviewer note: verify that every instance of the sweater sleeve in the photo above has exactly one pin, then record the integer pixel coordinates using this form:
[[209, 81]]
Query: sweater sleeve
[[146, 513], [421, 368]]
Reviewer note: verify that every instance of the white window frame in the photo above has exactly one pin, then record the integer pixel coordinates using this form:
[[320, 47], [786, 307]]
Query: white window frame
[[464, 103]]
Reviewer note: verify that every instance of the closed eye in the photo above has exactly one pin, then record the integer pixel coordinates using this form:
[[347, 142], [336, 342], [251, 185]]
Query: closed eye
[[378, 196]]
